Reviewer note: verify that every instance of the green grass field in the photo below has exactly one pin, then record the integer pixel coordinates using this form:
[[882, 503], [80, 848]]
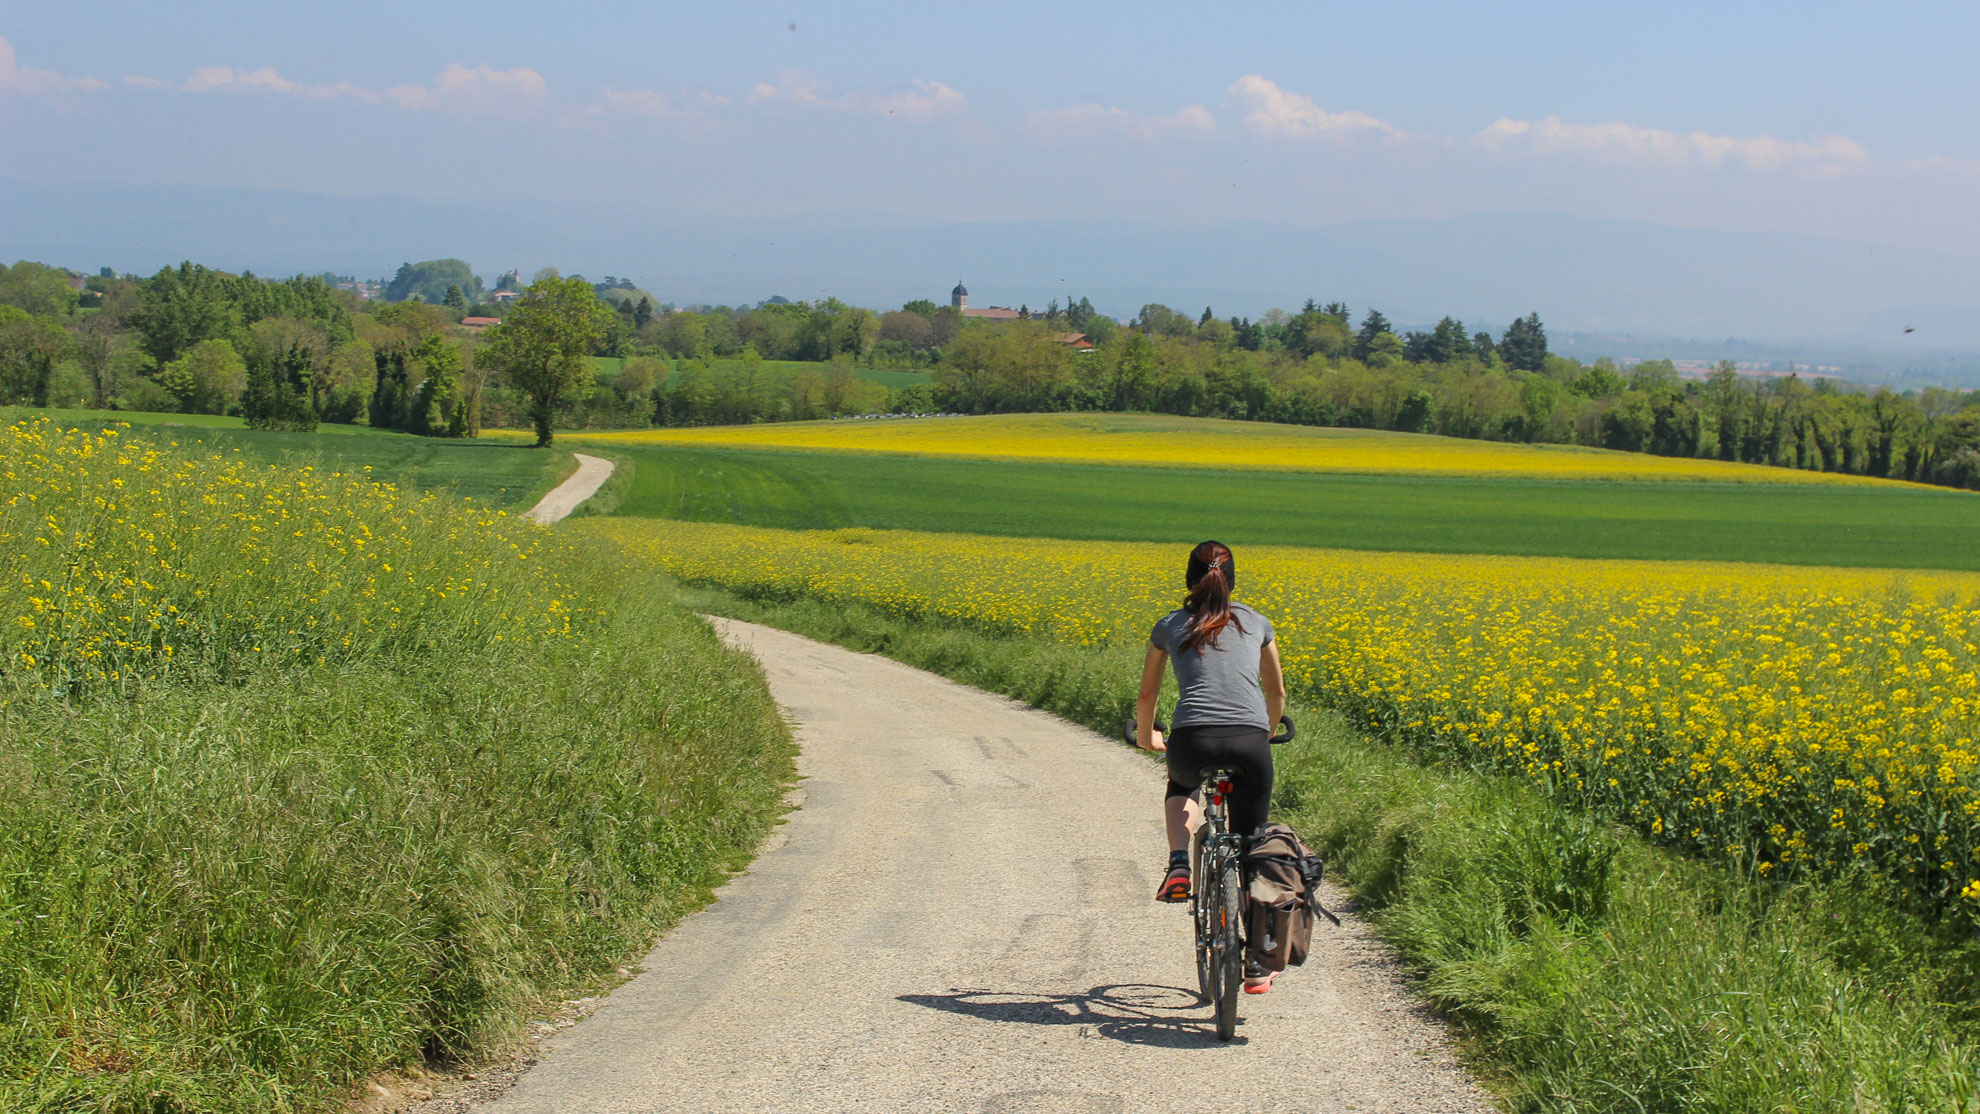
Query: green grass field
[[499, 473], [1885, 526]]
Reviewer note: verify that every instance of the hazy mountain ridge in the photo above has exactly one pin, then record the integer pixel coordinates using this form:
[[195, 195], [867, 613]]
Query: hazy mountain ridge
[[1597, 277]]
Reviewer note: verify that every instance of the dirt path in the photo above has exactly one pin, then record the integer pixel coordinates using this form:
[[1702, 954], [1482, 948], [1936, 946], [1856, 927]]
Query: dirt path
[[959, 918], [591, 474]]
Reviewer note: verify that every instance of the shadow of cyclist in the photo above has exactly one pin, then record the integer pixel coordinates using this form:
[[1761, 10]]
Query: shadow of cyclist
[[1135, 1013]]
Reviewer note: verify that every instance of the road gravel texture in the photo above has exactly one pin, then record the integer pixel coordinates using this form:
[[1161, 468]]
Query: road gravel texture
[[960, 917], [591, 474]]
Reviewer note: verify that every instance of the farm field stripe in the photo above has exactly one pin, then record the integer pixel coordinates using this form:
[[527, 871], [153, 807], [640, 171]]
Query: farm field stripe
[[1786, 720], [1798, 524], [1147, 439]]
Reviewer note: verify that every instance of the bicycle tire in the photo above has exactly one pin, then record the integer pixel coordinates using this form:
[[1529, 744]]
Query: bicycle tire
[[1229, 974], [1199, 911]]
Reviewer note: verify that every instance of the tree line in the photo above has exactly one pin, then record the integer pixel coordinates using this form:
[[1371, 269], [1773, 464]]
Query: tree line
[[1320, 367], [288, 353]]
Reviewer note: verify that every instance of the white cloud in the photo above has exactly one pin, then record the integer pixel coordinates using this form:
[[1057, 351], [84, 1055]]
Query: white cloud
[[208, 79], [638, 102], [32, 82], [225, 77], [793, 87], [1094, 119], [1272, 111], [461, 89], [920, 100], [456, 88], [1627, 143]]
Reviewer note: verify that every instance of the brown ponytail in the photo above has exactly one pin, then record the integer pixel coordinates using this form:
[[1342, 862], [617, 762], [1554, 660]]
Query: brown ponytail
[[1210, 576]]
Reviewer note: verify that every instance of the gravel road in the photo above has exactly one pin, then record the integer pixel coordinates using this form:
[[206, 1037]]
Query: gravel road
[[960, 918], [591, 474]]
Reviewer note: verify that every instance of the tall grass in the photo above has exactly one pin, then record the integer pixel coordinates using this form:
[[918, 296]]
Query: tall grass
[[284, 809], [1587, 970]]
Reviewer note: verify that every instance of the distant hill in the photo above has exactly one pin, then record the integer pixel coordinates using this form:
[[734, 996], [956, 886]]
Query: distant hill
[[1582, 275]]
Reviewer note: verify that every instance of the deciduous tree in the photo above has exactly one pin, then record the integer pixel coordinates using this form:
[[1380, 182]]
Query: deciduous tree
[[542, 343], [30, 347], [36, 288]]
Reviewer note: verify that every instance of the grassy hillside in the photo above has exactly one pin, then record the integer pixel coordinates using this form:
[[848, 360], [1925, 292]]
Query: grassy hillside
[[305, 778], [1885, 525], [500, 473], [1160, 440]]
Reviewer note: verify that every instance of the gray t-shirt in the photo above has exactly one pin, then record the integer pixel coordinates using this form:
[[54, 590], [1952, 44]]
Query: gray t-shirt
[[1219, 686]]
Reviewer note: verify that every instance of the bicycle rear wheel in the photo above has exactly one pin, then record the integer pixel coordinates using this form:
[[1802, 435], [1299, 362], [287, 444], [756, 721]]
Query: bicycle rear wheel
[[1227, 950]]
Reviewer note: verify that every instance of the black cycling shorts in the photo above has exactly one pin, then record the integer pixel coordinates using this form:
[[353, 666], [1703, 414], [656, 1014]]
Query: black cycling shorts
[[1240, 747]]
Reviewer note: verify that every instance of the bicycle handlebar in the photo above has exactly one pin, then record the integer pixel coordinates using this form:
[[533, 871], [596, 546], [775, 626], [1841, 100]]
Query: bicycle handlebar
[[1128, 731]]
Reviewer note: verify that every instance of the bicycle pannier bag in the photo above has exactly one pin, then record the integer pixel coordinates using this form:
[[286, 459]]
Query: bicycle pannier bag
[[1278, 917]]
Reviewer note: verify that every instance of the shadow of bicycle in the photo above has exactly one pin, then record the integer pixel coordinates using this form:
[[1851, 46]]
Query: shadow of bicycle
[[1135, 1013]]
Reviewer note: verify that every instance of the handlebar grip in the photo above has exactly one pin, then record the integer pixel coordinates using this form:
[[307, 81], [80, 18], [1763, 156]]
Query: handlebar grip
[[1128, 732], [1287, 737]]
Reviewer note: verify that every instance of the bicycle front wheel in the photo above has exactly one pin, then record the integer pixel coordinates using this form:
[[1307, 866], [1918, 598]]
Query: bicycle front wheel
[[1202, 910]]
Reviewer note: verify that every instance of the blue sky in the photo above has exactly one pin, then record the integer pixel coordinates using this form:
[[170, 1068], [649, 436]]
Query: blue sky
[[1857, 121]]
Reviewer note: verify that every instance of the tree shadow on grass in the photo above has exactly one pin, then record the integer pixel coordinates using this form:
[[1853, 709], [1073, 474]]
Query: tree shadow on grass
[[1134, 1013]]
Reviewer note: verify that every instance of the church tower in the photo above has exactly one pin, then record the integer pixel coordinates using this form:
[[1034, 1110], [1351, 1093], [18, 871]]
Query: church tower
[[959, 297]]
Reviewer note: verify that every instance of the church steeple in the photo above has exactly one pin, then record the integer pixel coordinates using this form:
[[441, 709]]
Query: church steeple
[[959, 297]]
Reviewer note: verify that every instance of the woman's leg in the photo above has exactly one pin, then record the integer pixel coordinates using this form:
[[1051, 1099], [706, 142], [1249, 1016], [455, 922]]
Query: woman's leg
[[1183, 807], [1251, 797], [1183, 814]]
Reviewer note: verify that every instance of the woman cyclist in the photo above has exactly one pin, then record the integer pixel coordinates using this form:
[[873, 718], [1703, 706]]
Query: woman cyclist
[[1233, 691]]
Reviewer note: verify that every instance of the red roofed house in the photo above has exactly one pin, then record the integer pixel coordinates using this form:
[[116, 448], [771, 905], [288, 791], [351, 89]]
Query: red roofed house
[[1075, 341], [480, 322]]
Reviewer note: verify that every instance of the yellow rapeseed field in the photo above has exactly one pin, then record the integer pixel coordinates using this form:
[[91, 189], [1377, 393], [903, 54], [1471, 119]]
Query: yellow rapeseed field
[[1787, 718], [1147, 439], [122, 558]]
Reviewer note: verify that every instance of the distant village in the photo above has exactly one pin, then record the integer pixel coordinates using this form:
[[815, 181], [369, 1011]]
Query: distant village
[[959, 300]]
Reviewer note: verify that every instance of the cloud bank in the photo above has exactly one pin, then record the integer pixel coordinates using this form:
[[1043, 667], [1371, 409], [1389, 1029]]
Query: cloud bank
[[1627, 143], [1255, 105], [31, 82], [919, 100]]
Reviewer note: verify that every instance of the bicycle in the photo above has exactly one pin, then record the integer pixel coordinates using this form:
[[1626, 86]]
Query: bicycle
[[1216, 892]]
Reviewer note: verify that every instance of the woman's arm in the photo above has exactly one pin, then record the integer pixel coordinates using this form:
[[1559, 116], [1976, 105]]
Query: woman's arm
[[1272, 679], [1146, 737]]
